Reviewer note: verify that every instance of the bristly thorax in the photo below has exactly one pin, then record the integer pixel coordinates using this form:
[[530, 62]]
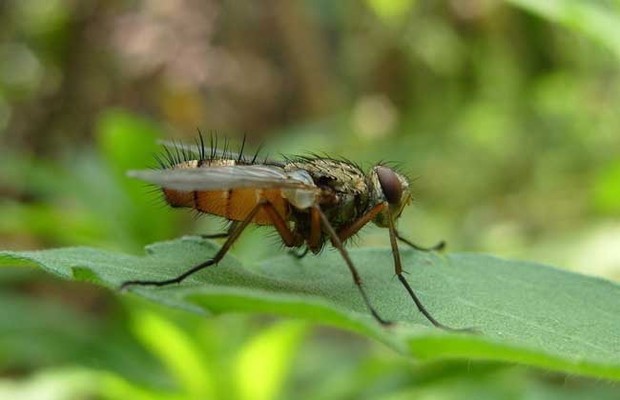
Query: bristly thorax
[[344, 188]]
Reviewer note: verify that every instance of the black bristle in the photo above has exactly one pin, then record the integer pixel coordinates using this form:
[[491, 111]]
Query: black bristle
[[159, 161], [213, 146], [225, 152], [256, 154], [241, 149], [176, 151], [169, 157], [183, 151], [201, 146]]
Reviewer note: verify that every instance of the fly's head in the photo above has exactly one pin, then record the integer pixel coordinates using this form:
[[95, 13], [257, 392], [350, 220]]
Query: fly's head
[[391, 187]]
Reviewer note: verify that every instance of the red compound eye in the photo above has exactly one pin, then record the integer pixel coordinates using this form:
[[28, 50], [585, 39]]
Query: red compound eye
[[390, 184]]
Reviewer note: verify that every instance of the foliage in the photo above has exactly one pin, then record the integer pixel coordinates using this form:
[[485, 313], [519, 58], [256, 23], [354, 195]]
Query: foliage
[[503, 113], [563, 323]]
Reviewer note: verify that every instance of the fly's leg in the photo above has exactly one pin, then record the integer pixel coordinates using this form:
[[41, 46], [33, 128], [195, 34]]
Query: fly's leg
[[438, 247], [222, 235], [352, 229], [398, 269], [287, 235], [358, 224], [299, 254], [345, 254]]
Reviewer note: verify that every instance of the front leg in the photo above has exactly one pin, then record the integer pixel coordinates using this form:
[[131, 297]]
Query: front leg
[[438, 247], [398, 269]]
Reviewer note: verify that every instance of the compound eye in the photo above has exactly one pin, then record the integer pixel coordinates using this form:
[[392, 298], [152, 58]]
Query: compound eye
[[390, 184]]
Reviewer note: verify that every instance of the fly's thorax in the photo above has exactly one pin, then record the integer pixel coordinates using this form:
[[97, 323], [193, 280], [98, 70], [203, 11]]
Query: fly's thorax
[[387, 185], [342, 190], [338, 175]]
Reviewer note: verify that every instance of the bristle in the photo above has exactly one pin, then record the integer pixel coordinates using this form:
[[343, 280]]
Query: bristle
[[183, 152], [169, 156], [256, 154], [225, 149], [201, 146], [177, 152], [241, 149], [213, 144], [214, 156], [159, 161]]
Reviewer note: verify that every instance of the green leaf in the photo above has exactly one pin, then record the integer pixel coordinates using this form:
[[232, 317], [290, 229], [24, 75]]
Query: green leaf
[[526, 313], [179, 353], [596, 20], [35, 333], [391, 10], [263, 363]]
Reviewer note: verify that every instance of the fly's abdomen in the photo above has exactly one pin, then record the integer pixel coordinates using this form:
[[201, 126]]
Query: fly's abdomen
[[177, 198], [233, 204]]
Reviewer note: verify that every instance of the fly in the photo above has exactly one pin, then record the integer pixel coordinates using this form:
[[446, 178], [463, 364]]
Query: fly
[[308, 200]]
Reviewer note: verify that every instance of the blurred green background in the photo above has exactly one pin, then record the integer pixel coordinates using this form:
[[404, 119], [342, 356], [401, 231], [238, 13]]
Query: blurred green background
[[505, 113]]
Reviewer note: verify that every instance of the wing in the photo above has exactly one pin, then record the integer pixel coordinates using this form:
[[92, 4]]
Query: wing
[[226, 177]]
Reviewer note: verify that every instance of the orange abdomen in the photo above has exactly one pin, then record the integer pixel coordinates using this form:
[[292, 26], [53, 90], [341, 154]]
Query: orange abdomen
[[233, 204]]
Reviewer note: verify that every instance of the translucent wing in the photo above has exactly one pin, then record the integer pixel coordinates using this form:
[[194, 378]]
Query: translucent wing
[[226, 177]]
